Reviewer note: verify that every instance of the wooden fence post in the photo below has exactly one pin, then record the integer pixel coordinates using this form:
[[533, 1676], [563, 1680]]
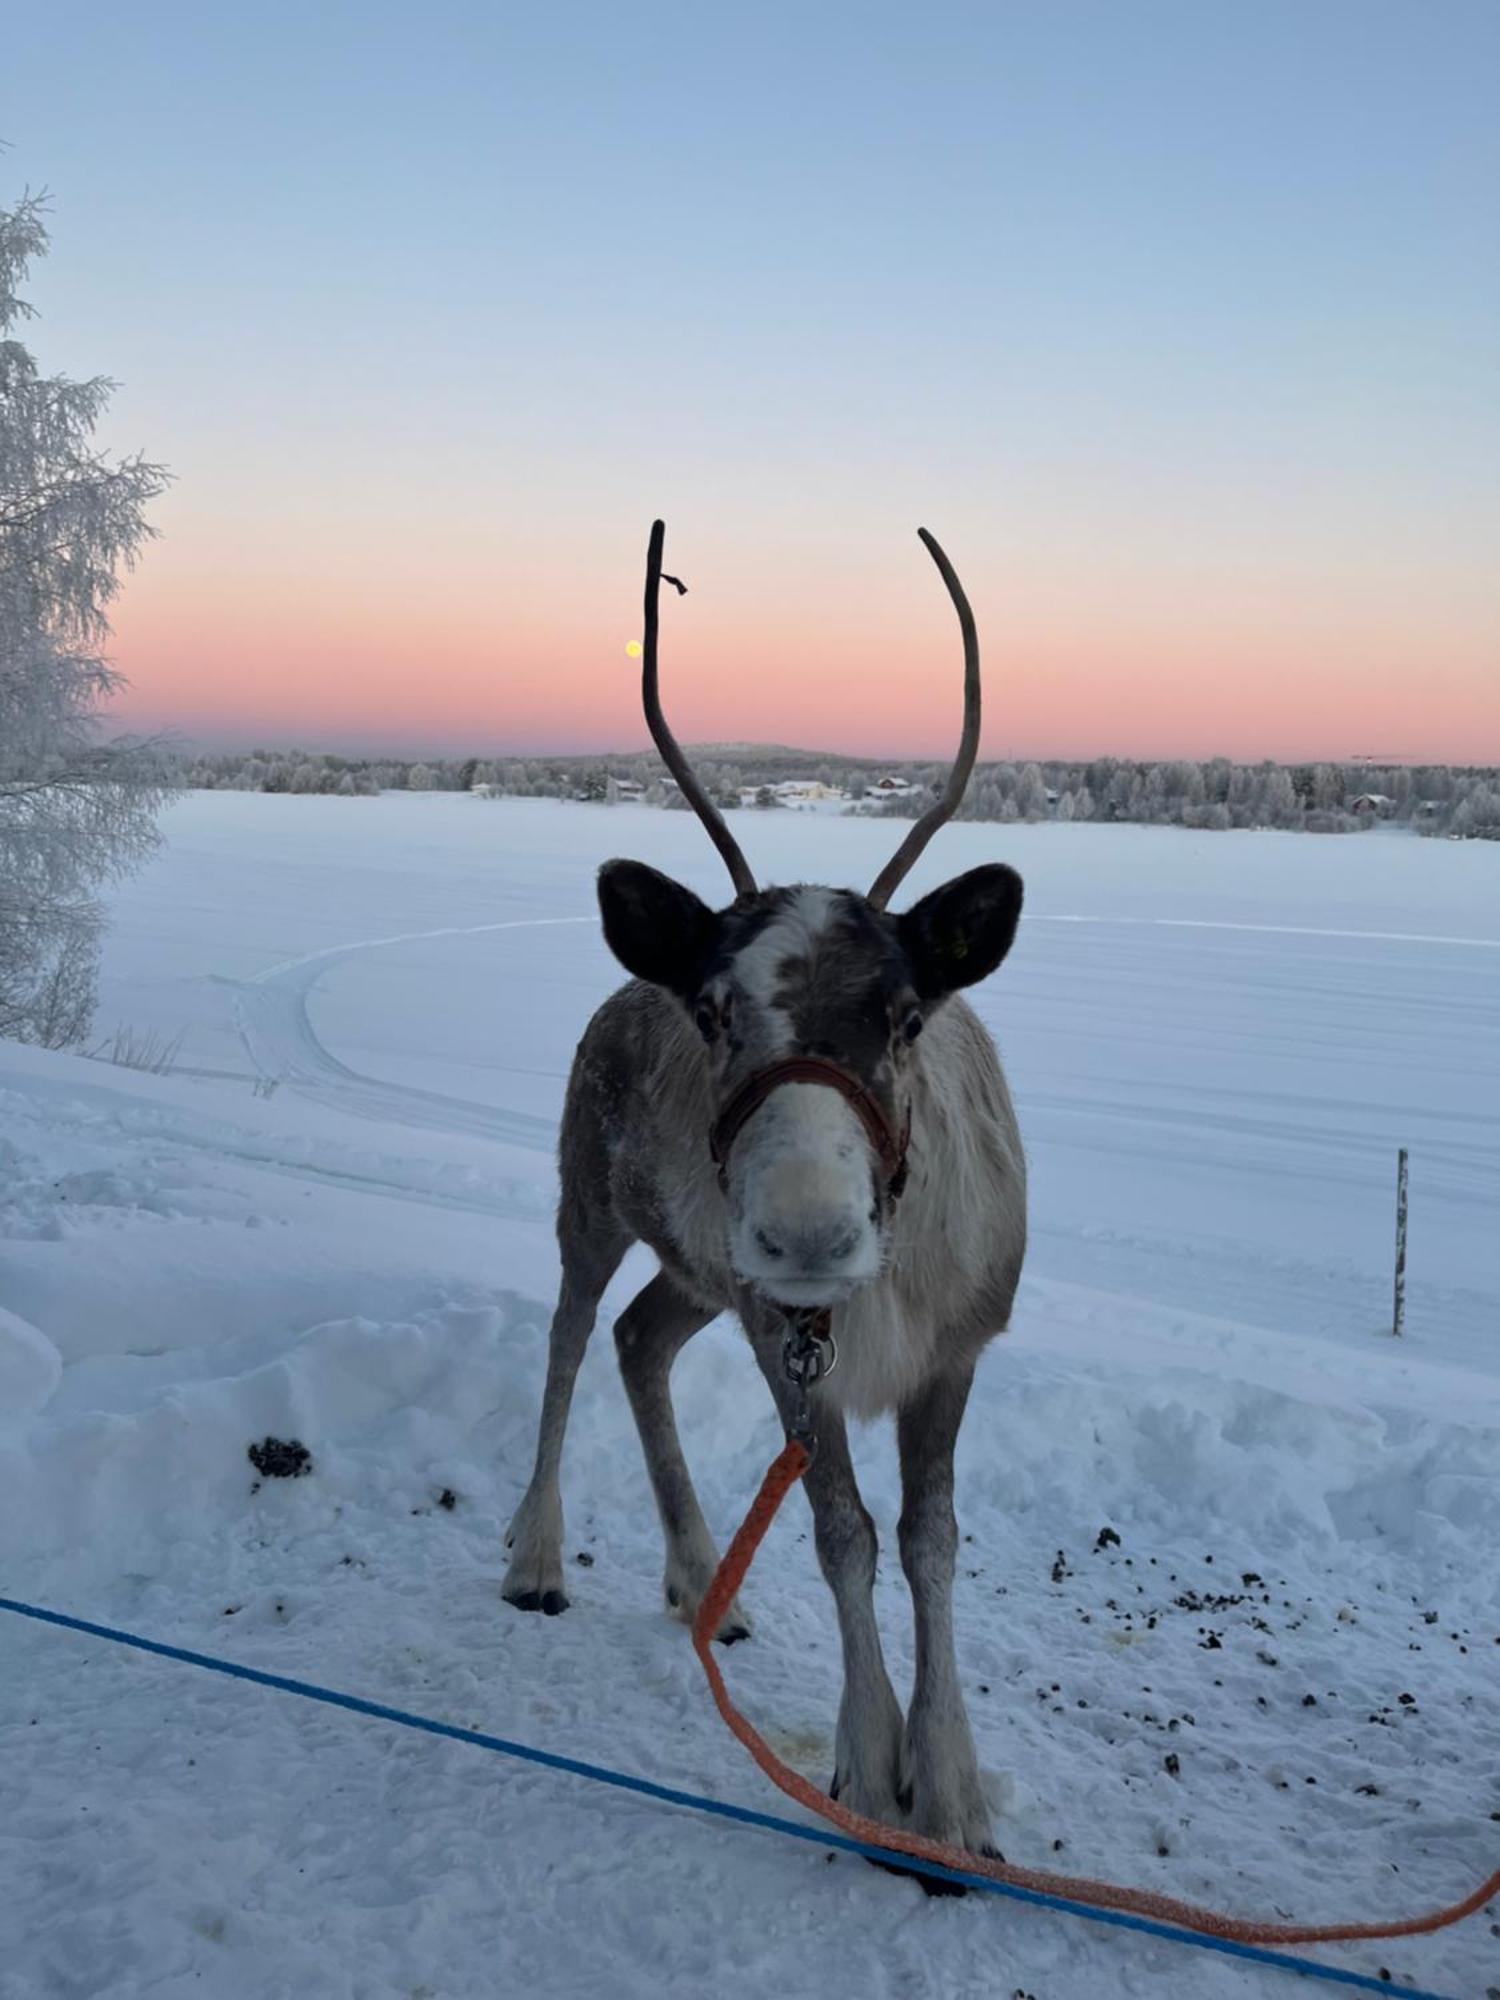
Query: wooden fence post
[[1399, 1314]]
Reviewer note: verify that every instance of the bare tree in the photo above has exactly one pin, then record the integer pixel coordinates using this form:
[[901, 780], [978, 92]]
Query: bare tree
[[75, 811]]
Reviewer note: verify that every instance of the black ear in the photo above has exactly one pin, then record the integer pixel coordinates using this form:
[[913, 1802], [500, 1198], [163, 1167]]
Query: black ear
[[656, 929], [960, 933]]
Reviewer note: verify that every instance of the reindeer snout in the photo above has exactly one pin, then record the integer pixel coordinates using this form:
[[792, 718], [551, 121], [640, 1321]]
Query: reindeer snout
[[807, 1256], [800, 1222], [816, 1246]]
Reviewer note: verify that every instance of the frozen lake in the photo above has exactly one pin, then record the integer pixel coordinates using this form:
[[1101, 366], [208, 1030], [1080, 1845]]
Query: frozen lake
[[1217, 1042]]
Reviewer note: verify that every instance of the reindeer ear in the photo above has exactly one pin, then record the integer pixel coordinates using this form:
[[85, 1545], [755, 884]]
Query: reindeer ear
[[658, 930], [960, 933]]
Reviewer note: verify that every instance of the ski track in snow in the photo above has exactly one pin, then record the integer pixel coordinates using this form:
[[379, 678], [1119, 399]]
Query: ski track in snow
[[271, 1013], [1270, 930]]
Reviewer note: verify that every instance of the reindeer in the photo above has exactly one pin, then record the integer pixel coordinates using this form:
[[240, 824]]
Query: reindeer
[[793, 1107]]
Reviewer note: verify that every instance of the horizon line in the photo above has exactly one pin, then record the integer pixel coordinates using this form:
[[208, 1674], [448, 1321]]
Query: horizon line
[[725, 751]]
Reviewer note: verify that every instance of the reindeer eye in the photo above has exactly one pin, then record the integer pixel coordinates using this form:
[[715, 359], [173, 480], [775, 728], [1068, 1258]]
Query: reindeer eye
[[706, 1020], [911, 1027]]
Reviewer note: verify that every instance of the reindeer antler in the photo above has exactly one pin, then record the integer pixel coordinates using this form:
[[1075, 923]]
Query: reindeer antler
[[666, 742], [968, 744]]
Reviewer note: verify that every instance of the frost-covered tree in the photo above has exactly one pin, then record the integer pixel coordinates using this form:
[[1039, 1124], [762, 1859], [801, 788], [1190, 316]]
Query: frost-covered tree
[[1031, 793], [1477, 815], [74, 811], [1278, 799]]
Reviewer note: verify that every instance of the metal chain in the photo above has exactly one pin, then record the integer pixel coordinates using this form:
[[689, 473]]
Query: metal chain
[[808, 1354]]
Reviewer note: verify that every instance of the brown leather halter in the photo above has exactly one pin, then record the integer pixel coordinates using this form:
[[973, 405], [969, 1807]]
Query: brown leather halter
[[890, 1149]]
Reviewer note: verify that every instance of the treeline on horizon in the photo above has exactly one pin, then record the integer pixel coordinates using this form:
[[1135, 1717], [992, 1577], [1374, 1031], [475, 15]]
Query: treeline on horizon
[[1215, 794]]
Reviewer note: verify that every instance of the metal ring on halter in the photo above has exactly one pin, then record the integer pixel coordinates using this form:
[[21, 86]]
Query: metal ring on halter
[[809, 1352]]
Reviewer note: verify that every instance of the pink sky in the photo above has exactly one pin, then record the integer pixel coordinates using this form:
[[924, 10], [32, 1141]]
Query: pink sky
[[846, 653]]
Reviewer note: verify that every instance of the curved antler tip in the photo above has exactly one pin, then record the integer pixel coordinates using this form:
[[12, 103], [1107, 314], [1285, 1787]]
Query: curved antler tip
[[901, 861]]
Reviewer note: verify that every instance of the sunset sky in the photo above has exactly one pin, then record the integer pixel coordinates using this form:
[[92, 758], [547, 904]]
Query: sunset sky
[[1178, 324]]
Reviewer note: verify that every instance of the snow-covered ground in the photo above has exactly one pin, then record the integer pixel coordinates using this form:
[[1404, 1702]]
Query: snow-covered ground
[[1278, 1691]]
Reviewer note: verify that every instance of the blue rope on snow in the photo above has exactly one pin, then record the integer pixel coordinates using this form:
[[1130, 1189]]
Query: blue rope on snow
[[600, 1774]]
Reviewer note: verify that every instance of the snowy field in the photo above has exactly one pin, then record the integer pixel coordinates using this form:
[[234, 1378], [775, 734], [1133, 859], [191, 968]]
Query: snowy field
[[1277, 1692]]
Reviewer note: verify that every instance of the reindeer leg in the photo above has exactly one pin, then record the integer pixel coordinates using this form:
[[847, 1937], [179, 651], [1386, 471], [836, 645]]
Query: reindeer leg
[[867, 1746], [534, 1580], [939, 1769], [649, 1335]]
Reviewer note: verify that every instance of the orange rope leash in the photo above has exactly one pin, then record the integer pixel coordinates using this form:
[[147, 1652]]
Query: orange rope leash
[[782, 1477]]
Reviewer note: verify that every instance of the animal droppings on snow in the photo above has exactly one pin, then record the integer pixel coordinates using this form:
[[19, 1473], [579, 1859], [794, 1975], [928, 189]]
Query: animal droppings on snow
[[280, 1458]]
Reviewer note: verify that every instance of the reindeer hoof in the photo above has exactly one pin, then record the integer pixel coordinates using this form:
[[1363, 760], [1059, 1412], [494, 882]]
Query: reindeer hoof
[[930, 1885], [937, 1885], [549, 1602], [683, 1605]]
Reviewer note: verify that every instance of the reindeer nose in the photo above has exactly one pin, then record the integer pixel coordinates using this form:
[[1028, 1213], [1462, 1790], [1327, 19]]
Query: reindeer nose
[[812, 1245]]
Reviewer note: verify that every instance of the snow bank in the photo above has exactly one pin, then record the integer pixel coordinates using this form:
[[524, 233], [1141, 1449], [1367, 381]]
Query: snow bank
[[30, 1367]]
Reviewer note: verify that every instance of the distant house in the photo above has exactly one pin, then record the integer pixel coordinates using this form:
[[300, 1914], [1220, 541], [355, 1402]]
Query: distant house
[[1428, 808], [484, 791], [793, 792], [1373, 805], [805, 788], [628, 788], [891, 788]]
